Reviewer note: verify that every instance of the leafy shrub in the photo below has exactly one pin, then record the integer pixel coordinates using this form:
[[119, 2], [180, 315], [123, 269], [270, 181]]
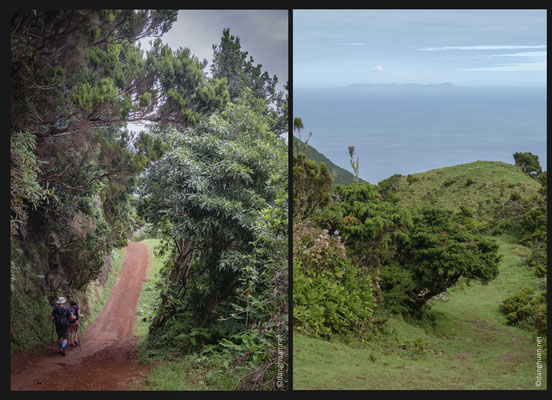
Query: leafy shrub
[[522, 309], [533, 228], [331, 296], [381, 228], [448, 182], [311, 185], [504, 225], [474, 225], [466, 211], [389, 185], [412, 179], [533, 225], [397, 284], [536, 261], [416, 348], [393, 198], [517, 300], [515, 196], [410, 258]]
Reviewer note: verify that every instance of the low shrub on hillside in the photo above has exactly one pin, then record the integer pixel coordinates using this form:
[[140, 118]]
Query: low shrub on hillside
[[536, 261], [504, 225], [390, 185], [522, 309], [526, 219], [448, 182], [412, 179]]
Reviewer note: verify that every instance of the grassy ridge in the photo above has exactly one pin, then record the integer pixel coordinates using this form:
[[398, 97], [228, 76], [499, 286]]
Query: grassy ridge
[[466, 346], [481, 186]]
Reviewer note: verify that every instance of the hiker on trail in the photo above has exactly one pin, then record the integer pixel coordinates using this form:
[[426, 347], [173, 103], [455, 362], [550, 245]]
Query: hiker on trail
[[74, 325], [61, 315]]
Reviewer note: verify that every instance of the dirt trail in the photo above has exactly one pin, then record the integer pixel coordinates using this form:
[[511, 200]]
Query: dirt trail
[[106, 360]]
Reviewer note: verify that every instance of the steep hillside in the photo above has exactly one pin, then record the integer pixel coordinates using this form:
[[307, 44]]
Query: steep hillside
[[465, 341], [340, 175], [482, 186]]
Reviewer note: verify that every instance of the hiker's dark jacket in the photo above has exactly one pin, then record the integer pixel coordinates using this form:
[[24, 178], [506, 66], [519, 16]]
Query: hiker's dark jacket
[[68, 314]]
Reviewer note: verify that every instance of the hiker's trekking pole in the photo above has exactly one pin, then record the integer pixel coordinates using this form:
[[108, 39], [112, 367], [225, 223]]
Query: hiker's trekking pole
[[79, 336], [52, 335]]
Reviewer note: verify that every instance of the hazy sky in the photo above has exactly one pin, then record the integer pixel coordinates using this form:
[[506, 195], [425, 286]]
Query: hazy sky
[[463, 47], [263, 34]]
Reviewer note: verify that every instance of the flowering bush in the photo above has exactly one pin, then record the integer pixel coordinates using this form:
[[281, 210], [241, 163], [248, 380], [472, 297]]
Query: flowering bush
[[331, 296]]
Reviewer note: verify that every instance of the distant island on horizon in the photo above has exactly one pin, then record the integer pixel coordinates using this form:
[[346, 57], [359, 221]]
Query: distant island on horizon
[[404, 85]]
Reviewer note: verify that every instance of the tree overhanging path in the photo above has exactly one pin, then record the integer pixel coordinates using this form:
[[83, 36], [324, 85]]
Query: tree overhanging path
[[106, 360]]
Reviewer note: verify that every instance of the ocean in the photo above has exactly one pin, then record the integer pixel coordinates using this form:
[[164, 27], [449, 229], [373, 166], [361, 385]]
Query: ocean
[[404, 129]]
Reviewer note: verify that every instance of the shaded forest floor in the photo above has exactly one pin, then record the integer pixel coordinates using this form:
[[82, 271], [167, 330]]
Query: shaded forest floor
[[466, 345]]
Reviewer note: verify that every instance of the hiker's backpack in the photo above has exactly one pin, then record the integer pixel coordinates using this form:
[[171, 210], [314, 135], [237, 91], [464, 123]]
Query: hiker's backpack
[[60, 317], [75, 311]]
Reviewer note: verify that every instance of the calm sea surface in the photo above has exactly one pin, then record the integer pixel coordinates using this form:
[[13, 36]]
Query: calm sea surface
[[403, 130]]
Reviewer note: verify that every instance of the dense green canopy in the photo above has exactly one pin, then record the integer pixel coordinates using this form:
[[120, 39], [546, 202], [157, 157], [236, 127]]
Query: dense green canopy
[[218, 197]]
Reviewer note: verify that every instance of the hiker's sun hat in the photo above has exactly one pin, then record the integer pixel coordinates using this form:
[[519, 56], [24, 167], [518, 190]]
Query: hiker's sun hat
[[60, 300]]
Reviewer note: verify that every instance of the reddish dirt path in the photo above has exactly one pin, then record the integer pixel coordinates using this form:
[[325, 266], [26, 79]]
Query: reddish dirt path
[[107, 358]]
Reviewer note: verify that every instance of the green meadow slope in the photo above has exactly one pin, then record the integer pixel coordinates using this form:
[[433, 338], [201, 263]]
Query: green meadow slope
[[465, 342], [482, 186], [467, 345]]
